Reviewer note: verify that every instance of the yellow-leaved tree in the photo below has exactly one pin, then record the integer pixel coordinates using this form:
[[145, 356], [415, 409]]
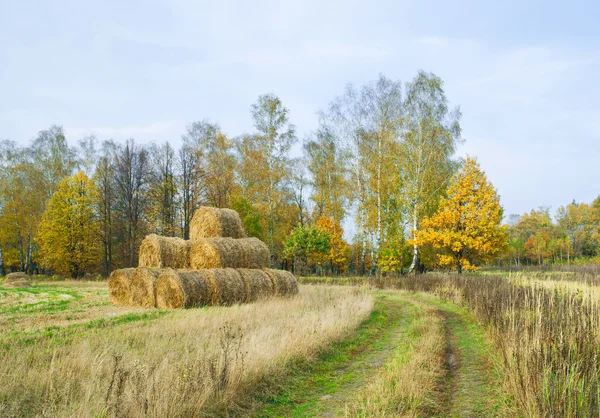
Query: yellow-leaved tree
[[466, 230], [69, 232]]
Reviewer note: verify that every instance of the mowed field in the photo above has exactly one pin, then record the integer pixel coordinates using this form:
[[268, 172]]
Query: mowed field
[[434, 345]]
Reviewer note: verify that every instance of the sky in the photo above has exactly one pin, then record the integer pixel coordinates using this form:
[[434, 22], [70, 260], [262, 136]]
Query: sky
[[525, 74]]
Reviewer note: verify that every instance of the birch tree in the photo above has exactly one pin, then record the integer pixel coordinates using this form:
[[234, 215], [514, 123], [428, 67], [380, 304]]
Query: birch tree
[[266, 167], [329, 182], [432, 133], [368, 123]]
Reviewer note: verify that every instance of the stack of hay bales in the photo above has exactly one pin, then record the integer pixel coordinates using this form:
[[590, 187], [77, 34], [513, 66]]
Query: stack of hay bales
[[217, 266]]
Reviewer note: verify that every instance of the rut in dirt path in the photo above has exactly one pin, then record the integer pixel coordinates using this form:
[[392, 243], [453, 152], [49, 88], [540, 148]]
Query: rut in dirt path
[[472, 388]]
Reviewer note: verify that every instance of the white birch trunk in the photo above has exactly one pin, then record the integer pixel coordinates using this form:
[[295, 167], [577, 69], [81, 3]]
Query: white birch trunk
[[413, 264]]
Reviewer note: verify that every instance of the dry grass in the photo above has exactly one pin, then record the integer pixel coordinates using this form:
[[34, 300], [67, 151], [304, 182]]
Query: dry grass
[[195, 362], [547, 335], [164, 252]]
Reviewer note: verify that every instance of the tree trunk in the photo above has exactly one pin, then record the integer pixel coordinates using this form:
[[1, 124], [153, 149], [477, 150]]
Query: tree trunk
[[21, 253], [379, 234], [29, 263], [415, 259], [2, 269]]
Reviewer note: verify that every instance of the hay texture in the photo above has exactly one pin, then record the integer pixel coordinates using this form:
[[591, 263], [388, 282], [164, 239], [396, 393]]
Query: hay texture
[[256, 253], [209, 222], [258, 284], [185, 289], [18, 279], [119, 284], [211, 253], [231, 287], [284, 282], [164, 252], [143, 286]]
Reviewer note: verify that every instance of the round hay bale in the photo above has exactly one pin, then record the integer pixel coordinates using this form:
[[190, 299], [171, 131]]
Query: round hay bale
[[231, 287], [211, 253], [258, 284], [256, 253], [164, 252], [143, 287], [284, 281], [185, 289], [119, 283], [209, 222]]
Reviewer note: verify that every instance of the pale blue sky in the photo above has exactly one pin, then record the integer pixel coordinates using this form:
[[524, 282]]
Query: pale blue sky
[[525, 75]]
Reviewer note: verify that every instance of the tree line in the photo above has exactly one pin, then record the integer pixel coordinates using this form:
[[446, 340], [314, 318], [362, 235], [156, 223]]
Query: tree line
[[538, 239], [382, 160]]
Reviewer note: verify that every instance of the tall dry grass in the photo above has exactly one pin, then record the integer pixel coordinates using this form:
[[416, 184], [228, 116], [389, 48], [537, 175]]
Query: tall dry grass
[[548, 336], [200, 362]]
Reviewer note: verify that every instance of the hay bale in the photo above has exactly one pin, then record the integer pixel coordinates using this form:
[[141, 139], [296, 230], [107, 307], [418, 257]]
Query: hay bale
[[143, 286], [258, 284], [256, 253], [185, 289], [164, 252], [119, 286], [209, 253], [285, 283], [231, 287], [19, 275], [18, 279], [209, 222]]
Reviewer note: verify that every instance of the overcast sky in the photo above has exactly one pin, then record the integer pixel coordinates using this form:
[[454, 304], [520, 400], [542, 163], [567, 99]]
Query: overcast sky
[[524, 75]]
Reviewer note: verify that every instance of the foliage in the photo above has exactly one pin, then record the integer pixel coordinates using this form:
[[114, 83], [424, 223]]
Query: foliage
[[249, 215], [467, 228], [339, 250], [307, 244], [69, 232], [395, 256], [265, 168]]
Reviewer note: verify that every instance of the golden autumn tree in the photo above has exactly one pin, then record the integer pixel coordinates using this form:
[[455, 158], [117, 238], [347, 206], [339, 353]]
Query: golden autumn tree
[[339, 250], [466, 229], [69, 234]]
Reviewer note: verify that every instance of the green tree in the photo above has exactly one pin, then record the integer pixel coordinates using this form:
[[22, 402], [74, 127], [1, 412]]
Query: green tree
[[305, 244], [69, 231]]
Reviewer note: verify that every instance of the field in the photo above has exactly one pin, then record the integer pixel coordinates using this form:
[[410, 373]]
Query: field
[[434, 345]]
